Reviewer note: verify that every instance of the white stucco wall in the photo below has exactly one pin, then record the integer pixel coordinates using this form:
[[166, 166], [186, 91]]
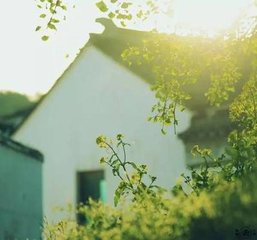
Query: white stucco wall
[[97, 96]]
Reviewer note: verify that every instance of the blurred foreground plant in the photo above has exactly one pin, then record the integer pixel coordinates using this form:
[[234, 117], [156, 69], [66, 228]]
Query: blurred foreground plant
[[219, 204], [132, 176]]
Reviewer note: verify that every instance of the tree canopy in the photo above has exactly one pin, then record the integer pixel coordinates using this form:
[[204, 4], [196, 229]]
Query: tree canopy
[[11, 102]]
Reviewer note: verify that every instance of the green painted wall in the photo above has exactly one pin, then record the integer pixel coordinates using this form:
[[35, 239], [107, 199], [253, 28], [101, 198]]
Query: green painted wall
[[20, 195]]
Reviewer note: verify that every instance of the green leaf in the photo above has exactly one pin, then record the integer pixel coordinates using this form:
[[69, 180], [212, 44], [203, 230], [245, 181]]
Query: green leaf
[[111, 15], [64, 7], [102, 160], [54, 20], [116, 197], [42, 15], [102, 6], [195, 150], [119, 137], [52, 11], [100, 141], [133, 165], [115, 164], [163, 131], [114, 172], [129, 17], [143, 166], [51, 26], [45, 38], [140, 14], [125, 5], [153, 179], [119, 192], [38, 28]]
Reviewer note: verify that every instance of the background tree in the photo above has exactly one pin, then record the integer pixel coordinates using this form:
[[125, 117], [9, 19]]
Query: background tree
[[11, 102]]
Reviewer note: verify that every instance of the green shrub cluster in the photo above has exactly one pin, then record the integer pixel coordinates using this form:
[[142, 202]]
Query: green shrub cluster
[[215, 207], [209, 215]]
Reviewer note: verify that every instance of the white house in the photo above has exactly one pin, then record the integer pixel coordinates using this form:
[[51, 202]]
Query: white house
[[97, 95]]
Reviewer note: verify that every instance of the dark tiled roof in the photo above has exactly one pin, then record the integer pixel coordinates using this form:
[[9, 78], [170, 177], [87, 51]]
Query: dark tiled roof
[[206, 127], [8, 123], [113, 41], [16, 146]]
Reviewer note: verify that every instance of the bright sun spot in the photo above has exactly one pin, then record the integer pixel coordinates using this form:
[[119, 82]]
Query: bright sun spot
[[208, 16]]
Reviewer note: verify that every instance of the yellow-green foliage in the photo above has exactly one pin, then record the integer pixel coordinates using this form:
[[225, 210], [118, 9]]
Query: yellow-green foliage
[[221, 202], [214, 214]]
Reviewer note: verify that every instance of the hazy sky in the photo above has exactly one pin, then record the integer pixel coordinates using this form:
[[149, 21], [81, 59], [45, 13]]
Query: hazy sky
[[30, 65]]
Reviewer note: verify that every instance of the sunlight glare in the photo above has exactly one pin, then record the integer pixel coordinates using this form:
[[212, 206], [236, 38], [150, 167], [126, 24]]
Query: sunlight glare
[[208, 16]]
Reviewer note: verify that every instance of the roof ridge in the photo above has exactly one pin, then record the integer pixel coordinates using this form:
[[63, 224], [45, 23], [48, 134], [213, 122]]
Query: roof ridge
[[106, 22], [17, 146]]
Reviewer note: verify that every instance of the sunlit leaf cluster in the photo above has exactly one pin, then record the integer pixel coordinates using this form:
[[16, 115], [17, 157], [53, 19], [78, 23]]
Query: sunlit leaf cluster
[[124, 10], [216, 206], [179, 62], [51, 14], [134, 179]]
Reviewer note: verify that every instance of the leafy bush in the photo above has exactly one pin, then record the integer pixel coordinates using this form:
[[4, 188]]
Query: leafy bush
[[217, 207], [208, 215]]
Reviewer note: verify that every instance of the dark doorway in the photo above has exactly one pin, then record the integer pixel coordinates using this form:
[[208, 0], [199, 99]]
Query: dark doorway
[[91, 184]]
